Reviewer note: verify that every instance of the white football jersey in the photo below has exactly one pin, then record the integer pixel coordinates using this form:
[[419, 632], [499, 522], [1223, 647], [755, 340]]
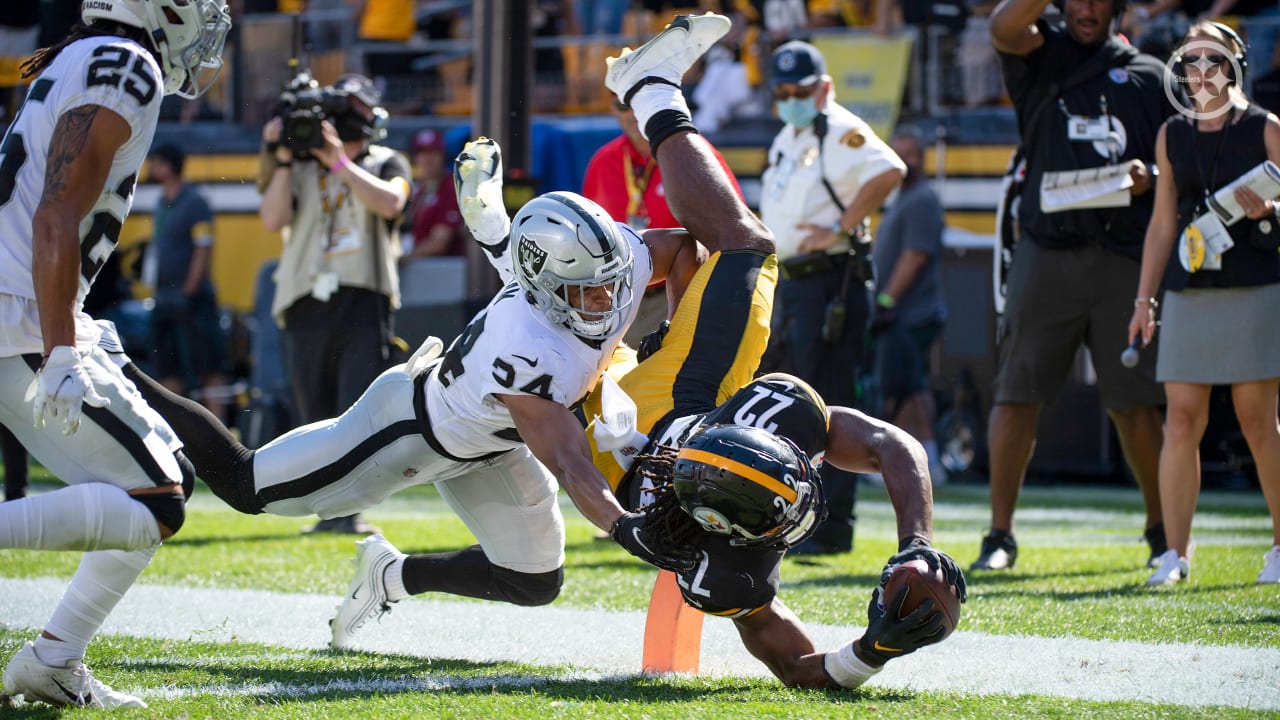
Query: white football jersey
[[111, 72], [510, 348]]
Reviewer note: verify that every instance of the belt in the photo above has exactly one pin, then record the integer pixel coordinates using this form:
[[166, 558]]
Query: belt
[[811, 264]]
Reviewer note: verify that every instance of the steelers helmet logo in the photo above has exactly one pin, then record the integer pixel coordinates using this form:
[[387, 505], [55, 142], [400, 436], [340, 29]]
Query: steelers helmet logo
[[710, 520]]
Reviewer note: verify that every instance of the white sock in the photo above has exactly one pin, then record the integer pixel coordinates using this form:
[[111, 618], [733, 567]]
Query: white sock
[[393, 580], [655, 97], [101, 580], [88, 516]]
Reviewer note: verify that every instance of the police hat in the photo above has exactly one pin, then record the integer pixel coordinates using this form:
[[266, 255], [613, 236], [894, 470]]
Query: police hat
[[797, 62]]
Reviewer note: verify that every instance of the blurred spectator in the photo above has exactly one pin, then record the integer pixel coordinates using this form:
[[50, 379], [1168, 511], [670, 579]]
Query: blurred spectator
[[979, 64], [551, 19], [1259, 23], [188, 349], [909, 312], [434, 223], [19, 31], [624, 179], [827, 172], [722, 92], [387, 20]]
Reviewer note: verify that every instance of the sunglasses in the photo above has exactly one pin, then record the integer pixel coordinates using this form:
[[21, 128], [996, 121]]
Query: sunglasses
[[1213, 59], [801, 92]]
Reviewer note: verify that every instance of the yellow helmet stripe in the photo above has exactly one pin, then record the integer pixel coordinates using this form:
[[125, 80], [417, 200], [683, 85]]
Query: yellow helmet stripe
[[738, 468]]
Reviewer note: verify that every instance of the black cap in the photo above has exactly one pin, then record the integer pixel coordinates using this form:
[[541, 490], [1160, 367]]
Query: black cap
[[360, 87], [171, 154], [797, 62]]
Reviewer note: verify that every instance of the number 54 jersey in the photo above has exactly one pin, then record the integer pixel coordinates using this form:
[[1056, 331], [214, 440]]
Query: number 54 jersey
[[109, 72], [511, 348]]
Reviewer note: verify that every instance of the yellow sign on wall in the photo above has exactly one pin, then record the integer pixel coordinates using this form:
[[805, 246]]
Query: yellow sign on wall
[[870, 75]]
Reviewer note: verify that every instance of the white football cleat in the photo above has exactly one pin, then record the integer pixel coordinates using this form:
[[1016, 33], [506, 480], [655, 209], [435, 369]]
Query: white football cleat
[[477, 178], [71, 686], [367, 596], [1171, 571], [1270, 567], [668, 55]]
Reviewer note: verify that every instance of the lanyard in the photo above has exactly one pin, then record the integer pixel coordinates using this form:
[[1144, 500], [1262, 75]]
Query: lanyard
[[636, 186], [1195, 152]]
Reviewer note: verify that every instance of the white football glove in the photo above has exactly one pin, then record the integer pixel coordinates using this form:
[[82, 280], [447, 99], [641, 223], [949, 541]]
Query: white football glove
[[60, 387], [477, 178]]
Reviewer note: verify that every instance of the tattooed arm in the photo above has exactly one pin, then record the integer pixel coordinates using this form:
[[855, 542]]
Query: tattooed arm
[[84, 143]]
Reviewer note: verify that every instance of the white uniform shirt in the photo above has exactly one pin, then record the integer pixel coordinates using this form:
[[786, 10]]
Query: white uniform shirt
[[114, 73], [510, 348], [791, 187]]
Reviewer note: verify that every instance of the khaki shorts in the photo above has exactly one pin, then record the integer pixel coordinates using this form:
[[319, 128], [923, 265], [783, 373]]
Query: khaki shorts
[[1058, 299]]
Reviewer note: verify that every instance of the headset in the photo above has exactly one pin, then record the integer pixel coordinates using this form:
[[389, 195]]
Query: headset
[[1240, 52]]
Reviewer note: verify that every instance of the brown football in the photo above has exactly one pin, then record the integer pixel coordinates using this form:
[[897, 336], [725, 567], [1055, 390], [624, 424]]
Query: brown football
[[924, 584]]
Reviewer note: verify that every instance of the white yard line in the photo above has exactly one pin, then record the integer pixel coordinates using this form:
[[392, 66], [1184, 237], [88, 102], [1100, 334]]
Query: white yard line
[[594, 644]]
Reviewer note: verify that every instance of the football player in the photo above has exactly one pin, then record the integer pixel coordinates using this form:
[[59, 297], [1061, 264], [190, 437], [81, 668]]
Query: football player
[[70, 163]]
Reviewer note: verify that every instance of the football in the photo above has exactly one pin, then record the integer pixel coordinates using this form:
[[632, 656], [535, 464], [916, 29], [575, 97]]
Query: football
[[924, 584]]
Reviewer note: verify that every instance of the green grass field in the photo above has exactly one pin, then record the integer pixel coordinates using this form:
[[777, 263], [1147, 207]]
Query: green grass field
[[1080, 575]]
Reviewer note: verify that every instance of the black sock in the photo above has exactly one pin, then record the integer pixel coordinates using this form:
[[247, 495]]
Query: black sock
[[664, 124], [220, 460], [469, 573]]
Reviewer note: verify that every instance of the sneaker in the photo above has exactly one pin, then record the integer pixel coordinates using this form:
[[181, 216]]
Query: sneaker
[[367, 596], [477, 179], [1270, 574], [349, 525], [1155, 538], [999, 552], [1171, 570], [666, 57], [72, 685]]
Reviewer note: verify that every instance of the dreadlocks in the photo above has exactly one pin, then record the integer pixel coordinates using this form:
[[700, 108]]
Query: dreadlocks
[[43, 57], [665, 519]]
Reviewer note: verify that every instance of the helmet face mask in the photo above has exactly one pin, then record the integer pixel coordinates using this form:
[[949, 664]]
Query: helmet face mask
[[565, 247], [187, 36], [746, 483]]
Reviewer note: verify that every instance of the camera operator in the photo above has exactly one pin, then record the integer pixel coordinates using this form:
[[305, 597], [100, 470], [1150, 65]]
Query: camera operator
[[338, 207]]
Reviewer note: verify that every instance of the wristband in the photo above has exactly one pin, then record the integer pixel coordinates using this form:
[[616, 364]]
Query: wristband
[[845, 668], [1155, 304], [885, 300], [339, 165]]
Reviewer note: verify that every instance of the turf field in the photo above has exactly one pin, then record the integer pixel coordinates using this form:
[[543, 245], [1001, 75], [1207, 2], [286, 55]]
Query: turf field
[[229, 620]]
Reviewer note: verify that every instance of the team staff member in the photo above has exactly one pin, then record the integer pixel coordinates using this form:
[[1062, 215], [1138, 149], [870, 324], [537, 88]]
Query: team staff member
[[1084, 98], [337, 284], [1209, 310], [827, 171], [71, 163]]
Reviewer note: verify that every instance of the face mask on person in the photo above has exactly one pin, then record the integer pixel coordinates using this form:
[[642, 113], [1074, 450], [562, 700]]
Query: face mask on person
[[799, 112]]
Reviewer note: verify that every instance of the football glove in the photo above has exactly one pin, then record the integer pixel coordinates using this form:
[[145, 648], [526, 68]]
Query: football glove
[[917, 548], [652, 343], [889, 636], [60, 388], [477, 180], [630, 532]]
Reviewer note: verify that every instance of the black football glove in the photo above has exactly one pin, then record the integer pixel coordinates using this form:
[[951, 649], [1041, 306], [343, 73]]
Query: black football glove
[[889, 636], [652, 342], [630, 532], [917, 548]]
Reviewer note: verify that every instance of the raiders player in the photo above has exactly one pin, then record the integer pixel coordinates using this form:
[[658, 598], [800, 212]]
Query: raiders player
[[70, 162]]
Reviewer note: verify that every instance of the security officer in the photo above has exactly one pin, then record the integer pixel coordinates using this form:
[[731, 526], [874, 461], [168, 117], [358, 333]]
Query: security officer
[[1084, 99], [827, 171]]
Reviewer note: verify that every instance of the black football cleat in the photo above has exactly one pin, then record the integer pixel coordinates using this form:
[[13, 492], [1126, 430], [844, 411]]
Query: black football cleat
[[999, 552]]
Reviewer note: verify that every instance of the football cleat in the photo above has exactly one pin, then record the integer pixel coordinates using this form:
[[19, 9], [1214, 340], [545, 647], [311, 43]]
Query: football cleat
[[1171, 570], [1154, 536], [70, 686], [477, 178], [999, 552], [667, 56], [1270, 574], [366, 597]]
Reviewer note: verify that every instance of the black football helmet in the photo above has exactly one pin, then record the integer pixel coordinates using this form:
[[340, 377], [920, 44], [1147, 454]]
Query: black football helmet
[[748, 483]]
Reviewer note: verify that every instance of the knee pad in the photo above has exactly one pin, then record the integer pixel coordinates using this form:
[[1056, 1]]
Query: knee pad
[[167, 508], [528, 589]]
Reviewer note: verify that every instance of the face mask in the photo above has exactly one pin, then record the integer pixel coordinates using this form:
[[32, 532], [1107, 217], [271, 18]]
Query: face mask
[[798, 112]]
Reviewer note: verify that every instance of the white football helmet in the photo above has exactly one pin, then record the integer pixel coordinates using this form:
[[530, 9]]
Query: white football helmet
[[565, 242], [187, 36]]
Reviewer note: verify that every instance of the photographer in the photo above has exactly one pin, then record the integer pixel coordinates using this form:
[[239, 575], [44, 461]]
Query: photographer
[[338, 206]]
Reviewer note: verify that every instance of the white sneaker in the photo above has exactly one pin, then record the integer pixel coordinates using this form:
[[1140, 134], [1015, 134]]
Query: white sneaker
[[1270, 574], [367, 596], [1171, 570], [72, 685], [668, 56], [477, 178]]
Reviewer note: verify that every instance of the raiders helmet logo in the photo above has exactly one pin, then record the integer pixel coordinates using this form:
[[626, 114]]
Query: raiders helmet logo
[[530, 256]]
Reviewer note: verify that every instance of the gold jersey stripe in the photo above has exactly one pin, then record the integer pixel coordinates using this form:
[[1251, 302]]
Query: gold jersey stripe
[[736, 467]]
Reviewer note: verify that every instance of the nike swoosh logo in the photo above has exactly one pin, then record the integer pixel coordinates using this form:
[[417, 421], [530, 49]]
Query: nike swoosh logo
[[635, 532], [882, 648], [74, 697], [355, 593], [532, 363]]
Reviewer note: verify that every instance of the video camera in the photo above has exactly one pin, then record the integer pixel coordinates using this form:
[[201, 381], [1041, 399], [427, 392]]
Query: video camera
[[304, 105]]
